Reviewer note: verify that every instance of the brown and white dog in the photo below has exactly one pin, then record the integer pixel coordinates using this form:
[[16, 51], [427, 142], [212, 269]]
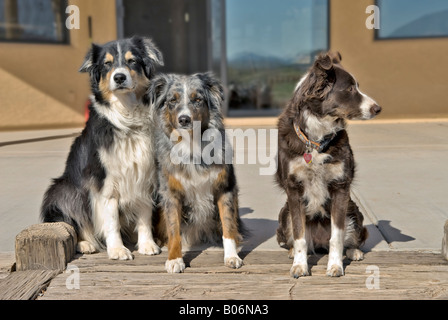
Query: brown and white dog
[[198, 194], [316, 166]]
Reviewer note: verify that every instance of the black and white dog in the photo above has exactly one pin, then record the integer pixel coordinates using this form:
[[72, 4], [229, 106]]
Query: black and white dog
[[316, 166], [110, 179], [198, 196]]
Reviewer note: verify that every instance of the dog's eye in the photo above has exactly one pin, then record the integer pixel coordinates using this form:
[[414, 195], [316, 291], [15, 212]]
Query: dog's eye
[[132, 61], [352, 88], [197, 100], [108, 63], [173, 100]]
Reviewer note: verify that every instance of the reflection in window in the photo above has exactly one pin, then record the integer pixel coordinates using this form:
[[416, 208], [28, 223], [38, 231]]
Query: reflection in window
[[412, 19], [270, 44], [33, 20]]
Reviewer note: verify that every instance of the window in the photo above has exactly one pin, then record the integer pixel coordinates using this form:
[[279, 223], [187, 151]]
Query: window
[[270, 45], [33, 21], [412, 19]]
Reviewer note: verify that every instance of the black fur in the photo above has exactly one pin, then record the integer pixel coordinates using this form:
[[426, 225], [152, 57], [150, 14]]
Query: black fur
[[118, 116]]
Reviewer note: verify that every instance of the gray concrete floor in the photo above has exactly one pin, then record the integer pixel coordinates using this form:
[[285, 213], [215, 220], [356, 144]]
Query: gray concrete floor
[[401, 184]]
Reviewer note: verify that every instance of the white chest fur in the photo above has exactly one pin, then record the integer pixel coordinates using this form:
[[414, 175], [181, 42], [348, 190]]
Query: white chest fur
[[315, 178], [198, 186], [199, 197], [130, 167]]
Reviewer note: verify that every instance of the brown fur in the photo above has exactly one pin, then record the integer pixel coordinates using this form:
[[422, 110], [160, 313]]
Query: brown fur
[[325, 96], [198, 201]]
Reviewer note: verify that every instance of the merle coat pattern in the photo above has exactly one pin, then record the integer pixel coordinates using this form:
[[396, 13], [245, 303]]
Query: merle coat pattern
[[198, 199]]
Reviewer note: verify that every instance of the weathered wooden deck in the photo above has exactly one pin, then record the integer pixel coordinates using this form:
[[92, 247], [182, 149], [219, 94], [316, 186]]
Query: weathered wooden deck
[[39, 270], [265, 276]]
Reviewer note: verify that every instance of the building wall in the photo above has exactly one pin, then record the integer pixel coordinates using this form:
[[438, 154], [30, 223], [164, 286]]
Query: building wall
[[407, 77], [39, 83]]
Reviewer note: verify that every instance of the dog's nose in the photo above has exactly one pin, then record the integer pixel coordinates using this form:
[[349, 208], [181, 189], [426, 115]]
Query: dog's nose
[[119, 78], [184, 120], [375, 109]]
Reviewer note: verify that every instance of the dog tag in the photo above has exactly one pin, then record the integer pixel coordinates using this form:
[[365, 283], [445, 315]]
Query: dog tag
[[308, 157]]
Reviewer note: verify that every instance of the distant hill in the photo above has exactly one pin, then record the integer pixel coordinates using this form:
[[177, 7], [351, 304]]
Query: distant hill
[[433, 24], [250, 60]]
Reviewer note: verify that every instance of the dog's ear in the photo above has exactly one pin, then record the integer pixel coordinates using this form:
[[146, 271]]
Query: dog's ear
[[335, 56], [324, 67], [151, 54], [90, 63], [323, 63], [90, 59], [215, 90], [320, 80], [156, 93]]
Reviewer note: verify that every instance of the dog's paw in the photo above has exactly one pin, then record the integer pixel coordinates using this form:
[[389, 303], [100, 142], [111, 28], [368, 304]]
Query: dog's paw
[[291, 253], [119, 253], [175, 265], [149, 248], [299, 270], [85, 247], [354, 254], [335, 270], [233, 262]]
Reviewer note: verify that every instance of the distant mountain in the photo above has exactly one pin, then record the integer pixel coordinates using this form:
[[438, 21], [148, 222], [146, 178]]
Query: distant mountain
[[433, 24], [250, 60]]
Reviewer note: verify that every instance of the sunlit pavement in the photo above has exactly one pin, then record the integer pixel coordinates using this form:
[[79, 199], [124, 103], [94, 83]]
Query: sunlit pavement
[[401, 184]]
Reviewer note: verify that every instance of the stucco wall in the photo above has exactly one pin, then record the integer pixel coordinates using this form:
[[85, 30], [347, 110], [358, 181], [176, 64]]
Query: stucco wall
[[407, 77], [41, 87], [39, 83]]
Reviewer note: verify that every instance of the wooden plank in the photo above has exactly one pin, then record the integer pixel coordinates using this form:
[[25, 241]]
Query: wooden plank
[[25, 285], [445, 241], [214, 259], [7, 263], [394, 282], [45, 246], [265, 275], [110, 285]]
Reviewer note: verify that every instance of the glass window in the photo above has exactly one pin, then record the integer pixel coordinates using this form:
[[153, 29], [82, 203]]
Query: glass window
[[270, 44], [412, 19], [33, 21]]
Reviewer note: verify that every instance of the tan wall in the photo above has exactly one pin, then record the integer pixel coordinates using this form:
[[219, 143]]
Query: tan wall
[[407, 77], [39, 83]]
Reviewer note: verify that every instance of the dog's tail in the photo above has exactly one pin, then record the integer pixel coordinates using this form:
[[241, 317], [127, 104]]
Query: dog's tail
[[63, 202], [56, 199]]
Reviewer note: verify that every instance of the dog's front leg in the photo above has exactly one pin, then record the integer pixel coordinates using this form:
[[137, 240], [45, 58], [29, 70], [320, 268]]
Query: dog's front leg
[[107, 210], [298, 218], [172, 211], [339, 205], [228, 211], [145, 243]]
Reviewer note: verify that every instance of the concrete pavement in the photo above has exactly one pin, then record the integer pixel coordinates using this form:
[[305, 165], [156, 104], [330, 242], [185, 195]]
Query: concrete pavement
[[401, 185]]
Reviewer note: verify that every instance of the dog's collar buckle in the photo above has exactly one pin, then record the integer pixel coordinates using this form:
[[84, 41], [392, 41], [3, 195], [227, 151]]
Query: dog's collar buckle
[[309, 144]]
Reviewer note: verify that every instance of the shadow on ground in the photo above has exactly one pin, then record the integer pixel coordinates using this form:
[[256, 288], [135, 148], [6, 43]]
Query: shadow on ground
[[388, 233], [257, 231]]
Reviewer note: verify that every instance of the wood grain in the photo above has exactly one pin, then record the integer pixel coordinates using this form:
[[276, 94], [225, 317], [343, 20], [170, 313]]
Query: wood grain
[[45, 246], [265, 276]]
